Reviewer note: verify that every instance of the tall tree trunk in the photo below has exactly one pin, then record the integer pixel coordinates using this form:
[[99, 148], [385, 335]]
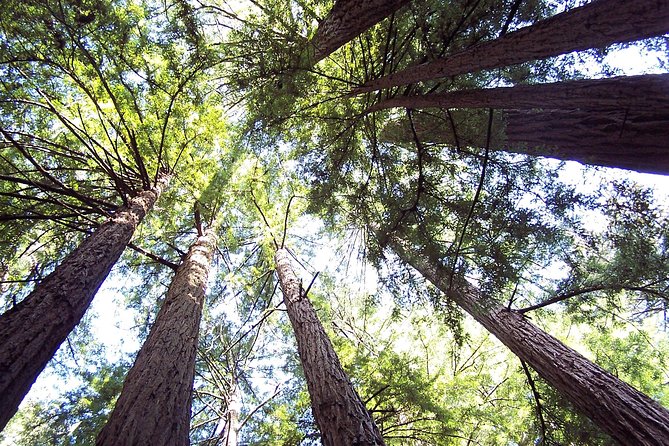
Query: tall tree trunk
[[597, 24], [623, 138], [32, 331], [648, 91], [154, 405], [618, 122], [348, 19], [232, 414], [340, 414], [618, 409]]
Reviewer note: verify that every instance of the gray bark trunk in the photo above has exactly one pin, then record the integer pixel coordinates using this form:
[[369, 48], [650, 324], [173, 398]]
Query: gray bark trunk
[[232, 415], [597, 24], [154, 405], [626, 414], [347, 20], [648, 91], [32, 331], [339, 413]]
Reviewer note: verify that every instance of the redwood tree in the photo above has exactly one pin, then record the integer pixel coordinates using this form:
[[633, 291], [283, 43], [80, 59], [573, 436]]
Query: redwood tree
[[33, 330], [338, 410], [647, 91], [616, 122], [346, 20], [596, 24], [154, 406], [618, 409]]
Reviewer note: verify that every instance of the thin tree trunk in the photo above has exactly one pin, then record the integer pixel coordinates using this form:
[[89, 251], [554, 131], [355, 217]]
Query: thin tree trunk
[[597, 24], [339, 413], [648, 91], [348, 19], [154, 405], [232, 414], [626, 414], [32, 331]]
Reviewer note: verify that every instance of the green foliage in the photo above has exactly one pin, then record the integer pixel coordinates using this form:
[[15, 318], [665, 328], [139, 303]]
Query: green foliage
[[98, 98], [76, 417]]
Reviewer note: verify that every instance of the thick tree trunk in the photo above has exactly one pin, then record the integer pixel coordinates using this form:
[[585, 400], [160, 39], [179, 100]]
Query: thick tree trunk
[[154, 405], [32, 331], [635, 140], [340, 414], [618, 122], [618, 409], [648, 91], [597, 24], [348, 19]]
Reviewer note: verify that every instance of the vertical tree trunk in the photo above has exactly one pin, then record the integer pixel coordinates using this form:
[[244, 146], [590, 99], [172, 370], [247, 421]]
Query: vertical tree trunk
[[597, 24], [32, 331], [618, 409], [154, 405], [348, 19], [648, 91], [340, 414], [232, 414]]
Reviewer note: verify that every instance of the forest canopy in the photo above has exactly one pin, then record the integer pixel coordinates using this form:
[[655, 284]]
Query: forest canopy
[[299, 222]]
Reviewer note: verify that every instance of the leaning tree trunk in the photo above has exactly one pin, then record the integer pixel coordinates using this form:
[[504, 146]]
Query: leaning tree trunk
[[339, 413], [626, 414], [597, 24], [32, 331], [348, 19], [154, 405], [628, 139], [647, 91], [618, 122]]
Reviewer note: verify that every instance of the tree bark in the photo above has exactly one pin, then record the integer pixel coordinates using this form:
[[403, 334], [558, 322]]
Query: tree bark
[[596, 24], [626, 414], [635, 140], [231, 437], [648, 91], [155, 403], [339, 413], [348, 19], [32, 331], [618, 122]]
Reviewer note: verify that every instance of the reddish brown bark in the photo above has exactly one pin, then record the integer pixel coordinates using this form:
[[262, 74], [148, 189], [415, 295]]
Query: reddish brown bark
[[618, 122], [154, 405], [32, 331], [626, 414], [627, 139], [597, 24], [649, 91], [348, 19], [339, 413]]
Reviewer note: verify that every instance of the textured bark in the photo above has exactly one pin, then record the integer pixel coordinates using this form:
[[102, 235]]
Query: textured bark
[[347, 20], [154, 405], [32, 331], [649, 91], [339, 413], [597, 24], [618, 122], [626, 414], [625, 139]]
